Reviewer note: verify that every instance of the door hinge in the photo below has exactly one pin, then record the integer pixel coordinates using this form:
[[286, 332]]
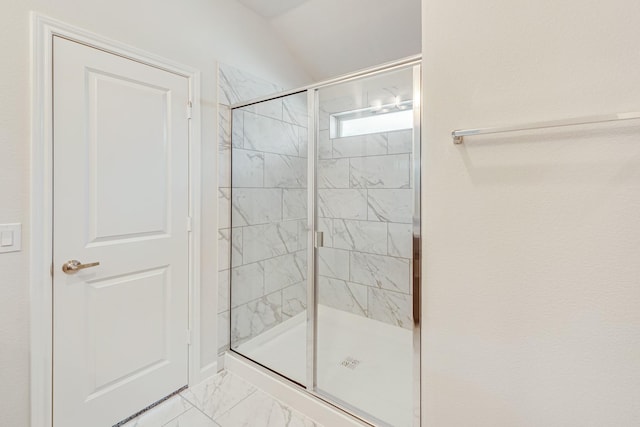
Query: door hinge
[[189, 109], [189, 224], [188, 336]]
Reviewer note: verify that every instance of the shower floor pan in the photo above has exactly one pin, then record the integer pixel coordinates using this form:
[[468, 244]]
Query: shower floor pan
[[362, 362]]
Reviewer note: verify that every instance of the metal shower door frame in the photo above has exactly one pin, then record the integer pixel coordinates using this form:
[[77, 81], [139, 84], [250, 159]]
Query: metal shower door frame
[[312, 219]]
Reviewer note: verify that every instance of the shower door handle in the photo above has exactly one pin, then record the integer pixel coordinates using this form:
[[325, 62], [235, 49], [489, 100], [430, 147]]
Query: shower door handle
[[318, 239]]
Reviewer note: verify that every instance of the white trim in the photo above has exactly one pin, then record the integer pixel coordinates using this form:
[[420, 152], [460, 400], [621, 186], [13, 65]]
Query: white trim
[[43, 29]]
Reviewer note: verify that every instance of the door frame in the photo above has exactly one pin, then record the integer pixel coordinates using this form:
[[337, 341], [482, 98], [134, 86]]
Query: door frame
[[43, 29]]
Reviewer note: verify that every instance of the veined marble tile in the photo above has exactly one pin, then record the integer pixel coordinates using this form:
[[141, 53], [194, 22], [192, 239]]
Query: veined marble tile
[[401, 141], [191, 418], [224, 207], [271, 108], [283, 271], [325, 148], [381, 271], [294, 299], [225, 250], [224, 166], [224, 126], [238, 86], [303, 234], [223, 331], [342, 295], [237, 128], [219, 393], [270, 135], [294, 204], [333, 263], [303, 141], [294, 109], [390, 205], [251, 319], [362, 145], [261, 410], [248, 168], [247, 283], [285, 171], [251, 206], [400, 240], [162, 414], [326, 226], [346, 204], [266, 241], [333, 173], [224, 281], [363, 236], [391, 307], [381, 171]]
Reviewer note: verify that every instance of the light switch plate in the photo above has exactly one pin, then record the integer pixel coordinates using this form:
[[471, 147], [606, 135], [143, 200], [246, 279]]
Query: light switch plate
[[10, 237]]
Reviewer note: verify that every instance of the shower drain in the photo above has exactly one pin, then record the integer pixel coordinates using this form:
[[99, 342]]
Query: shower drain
[[350, 363]]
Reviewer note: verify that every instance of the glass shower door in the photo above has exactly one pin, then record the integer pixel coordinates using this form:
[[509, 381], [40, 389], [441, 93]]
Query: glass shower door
[[268, 276], [367, 138]]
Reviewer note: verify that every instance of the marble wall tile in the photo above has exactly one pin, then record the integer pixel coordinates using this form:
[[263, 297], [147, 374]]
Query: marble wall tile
[[229, 244], [303, 142], [345, 204], [294, 109], [255, 317], [391, 307], [237, 86], [362, 236], [303, 234], [224, 207], [333, 263], [223, 290], [248, 168], [342, 295], [362, 145], [294, 299], [325, 225], [390, 205], [381, 271], [294, 204], [333, 173], [223, 331], [283, 271], [224, 126], [267, 241], [272, 136], [224, 166], [400, 141], [247, 283], [271, 108], [400, 240], [251, 206], [237, 128], [325, 147], [285, 171], [381, 171]]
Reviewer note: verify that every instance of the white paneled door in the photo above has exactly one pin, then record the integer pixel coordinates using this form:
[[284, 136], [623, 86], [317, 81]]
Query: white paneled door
[[120, 199]]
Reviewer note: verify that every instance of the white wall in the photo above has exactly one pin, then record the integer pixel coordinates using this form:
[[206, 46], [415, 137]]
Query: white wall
[[194, 32], [532, 292]]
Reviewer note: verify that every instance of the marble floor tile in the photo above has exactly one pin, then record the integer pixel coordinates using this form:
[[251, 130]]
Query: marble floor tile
[[191, 418], [218, 394], [162, 414], [261, 410]]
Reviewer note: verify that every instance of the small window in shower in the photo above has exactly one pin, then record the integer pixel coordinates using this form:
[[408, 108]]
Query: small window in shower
[[383, 118]]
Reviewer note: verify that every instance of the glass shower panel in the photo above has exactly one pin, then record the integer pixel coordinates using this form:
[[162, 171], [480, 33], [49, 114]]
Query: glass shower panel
[[365, 208], [269, 234]]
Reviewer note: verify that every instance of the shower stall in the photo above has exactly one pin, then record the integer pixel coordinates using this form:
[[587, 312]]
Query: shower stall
[[325, 239]]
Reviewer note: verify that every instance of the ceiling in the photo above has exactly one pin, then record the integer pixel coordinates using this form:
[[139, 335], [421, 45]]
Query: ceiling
[[334, 37]]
